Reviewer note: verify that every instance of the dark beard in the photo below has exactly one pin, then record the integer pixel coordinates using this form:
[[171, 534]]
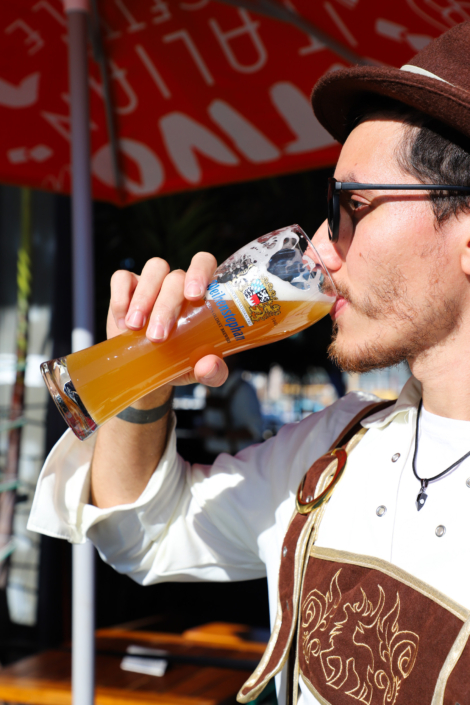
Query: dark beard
[[370, 357]]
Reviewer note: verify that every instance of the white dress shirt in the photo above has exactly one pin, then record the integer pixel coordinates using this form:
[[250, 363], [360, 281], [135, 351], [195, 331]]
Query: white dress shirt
[[228, 521]]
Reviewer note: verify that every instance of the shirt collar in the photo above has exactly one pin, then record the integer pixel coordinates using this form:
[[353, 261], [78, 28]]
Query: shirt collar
[[406, 404]]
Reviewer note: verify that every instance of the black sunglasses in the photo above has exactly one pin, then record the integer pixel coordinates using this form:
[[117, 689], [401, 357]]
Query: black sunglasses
[[336, 187]]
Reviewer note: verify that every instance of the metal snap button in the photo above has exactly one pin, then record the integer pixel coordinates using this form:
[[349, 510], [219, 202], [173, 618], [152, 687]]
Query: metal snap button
[[380, 511], [309, 499], [395, 457], [284, 551], [468, 482], [440, 530]]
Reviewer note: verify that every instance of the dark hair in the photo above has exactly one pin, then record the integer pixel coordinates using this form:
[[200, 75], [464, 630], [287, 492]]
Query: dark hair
[[433, 153]]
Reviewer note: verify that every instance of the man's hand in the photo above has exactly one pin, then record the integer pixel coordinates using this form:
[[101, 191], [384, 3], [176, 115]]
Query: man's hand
[[156, 298], [127, 454]]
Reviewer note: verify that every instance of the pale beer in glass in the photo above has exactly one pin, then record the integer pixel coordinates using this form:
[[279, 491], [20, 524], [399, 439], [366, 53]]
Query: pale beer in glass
[[271, 288]]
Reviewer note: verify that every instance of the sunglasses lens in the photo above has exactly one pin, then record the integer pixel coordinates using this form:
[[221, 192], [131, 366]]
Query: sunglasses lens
[[331, 223], [339, 213]]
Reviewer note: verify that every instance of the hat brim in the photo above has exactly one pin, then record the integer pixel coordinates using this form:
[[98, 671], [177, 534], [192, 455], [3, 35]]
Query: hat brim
[[335, 94]]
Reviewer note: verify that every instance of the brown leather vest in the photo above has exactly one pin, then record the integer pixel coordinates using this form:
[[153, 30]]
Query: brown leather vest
[[363, 630]]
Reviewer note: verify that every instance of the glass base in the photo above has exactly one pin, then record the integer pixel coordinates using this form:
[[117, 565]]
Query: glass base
[[67, 399]]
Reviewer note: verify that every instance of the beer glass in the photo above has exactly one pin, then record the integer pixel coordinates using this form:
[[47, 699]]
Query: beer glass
[[271, 288]]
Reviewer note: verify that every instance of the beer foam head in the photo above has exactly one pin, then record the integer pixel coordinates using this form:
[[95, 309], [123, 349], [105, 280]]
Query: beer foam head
[[288, 292]]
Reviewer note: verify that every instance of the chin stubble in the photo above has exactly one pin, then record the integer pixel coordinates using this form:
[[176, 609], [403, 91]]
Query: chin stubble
[[420, 329]]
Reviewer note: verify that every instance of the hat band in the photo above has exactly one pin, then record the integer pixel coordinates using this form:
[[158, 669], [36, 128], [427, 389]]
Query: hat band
[[423, 72]]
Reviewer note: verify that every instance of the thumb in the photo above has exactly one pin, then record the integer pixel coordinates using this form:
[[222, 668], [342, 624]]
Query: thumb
[[211, 370]]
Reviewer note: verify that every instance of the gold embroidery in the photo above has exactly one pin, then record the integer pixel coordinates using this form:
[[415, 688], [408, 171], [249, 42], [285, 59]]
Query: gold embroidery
[[362, 653]]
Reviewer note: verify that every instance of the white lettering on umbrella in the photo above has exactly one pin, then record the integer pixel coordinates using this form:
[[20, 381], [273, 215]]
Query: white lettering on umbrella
[[52, 12], [33, 38], [110, 32], [22, 155], [399, 33], [340, 24], [249, 28], [296, 110], [118, 74], [314, 46], [150, 167], [60, 123], [153, 71], [160, 8], [198, 5], [134, 25], [183, 136], [21, 96], [44, 5], [247, 138], [193, 51]]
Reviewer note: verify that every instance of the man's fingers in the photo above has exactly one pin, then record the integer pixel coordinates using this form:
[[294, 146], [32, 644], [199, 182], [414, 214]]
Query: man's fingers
[[199, 274], [168, 306], [211, 370], [148, 288], [123, 285]]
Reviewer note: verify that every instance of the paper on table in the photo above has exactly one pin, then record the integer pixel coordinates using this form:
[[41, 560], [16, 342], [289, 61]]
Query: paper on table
[[138, 661]]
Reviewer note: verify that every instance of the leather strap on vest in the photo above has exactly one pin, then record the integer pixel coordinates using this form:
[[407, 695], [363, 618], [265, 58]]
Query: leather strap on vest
[[300, 535]]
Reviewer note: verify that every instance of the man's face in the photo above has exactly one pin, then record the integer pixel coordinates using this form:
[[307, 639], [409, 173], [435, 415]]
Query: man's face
[[399, 279]]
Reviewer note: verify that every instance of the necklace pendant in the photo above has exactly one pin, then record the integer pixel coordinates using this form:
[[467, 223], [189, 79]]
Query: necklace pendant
[[422, 496], [421, 500]]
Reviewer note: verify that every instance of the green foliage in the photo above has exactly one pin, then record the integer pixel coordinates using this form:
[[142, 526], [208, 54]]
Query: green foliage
[[175, 228]]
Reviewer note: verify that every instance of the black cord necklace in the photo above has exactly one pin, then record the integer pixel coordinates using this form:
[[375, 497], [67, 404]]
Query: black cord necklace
[[422, 496]]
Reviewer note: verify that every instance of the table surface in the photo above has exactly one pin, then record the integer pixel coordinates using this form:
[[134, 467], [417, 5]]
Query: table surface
[[207, 665]]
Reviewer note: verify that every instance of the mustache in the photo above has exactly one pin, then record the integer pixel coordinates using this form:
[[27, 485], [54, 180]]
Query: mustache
[[366, 305], [343, 291]]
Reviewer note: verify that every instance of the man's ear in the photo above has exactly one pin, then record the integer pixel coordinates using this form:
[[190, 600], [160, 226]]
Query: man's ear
[[465, 256]]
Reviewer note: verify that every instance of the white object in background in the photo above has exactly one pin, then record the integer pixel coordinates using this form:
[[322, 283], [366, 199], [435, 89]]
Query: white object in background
[[138, 661]]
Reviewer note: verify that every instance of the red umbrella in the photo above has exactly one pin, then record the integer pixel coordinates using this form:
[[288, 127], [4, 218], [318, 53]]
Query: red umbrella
[[200, 93]]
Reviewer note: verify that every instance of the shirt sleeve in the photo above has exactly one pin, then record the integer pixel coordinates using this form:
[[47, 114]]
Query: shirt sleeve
[[192, 522]]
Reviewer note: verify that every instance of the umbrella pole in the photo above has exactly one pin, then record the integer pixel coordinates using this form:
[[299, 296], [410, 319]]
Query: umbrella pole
[[83, 568]]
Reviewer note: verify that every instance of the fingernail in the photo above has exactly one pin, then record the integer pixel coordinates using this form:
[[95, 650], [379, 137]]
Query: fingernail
[[194, 290], [136, 319], [156, 331], [212, 374], [122, 324]]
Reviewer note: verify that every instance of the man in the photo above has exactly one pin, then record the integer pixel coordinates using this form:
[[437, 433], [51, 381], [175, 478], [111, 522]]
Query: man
[[232, 418], [381, 586]]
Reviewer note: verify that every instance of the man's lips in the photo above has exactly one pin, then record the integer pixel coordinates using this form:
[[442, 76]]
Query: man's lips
[[339, 304]]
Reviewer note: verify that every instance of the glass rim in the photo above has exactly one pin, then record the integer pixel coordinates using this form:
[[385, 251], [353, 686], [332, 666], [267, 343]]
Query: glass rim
[[302, 232]]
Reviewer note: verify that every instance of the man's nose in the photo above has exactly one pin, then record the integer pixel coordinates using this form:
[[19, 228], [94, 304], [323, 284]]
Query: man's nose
[[327, 249]]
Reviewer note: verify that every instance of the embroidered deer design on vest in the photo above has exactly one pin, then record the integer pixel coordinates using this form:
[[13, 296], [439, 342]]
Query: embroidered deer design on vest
[[361, 650]]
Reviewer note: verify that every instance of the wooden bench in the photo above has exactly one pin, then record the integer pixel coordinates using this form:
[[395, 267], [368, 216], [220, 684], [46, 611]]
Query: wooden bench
[[206, 666]]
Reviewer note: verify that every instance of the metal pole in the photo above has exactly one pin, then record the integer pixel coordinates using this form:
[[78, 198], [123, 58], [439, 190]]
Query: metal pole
[[83, 567]]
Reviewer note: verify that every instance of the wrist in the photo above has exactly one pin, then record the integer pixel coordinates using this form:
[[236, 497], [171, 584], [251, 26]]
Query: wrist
[[146, 416], [153, 399]]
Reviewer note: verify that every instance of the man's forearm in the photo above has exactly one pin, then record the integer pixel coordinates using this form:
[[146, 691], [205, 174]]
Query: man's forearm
[[126, 454]]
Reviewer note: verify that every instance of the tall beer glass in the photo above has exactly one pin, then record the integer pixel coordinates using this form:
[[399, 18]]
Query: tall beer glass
[[273, 287]]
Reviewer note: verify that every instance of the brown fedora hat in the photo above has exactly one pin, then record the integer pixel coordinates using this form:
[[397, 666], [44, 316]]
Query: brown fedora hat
[[436, 82]]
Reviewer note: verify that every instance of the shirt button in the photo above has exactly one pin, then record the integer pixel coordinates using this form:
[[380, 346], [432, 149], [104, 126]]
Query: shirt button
[[395, 457], [380, 511], [468, 482], [440, 530]]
